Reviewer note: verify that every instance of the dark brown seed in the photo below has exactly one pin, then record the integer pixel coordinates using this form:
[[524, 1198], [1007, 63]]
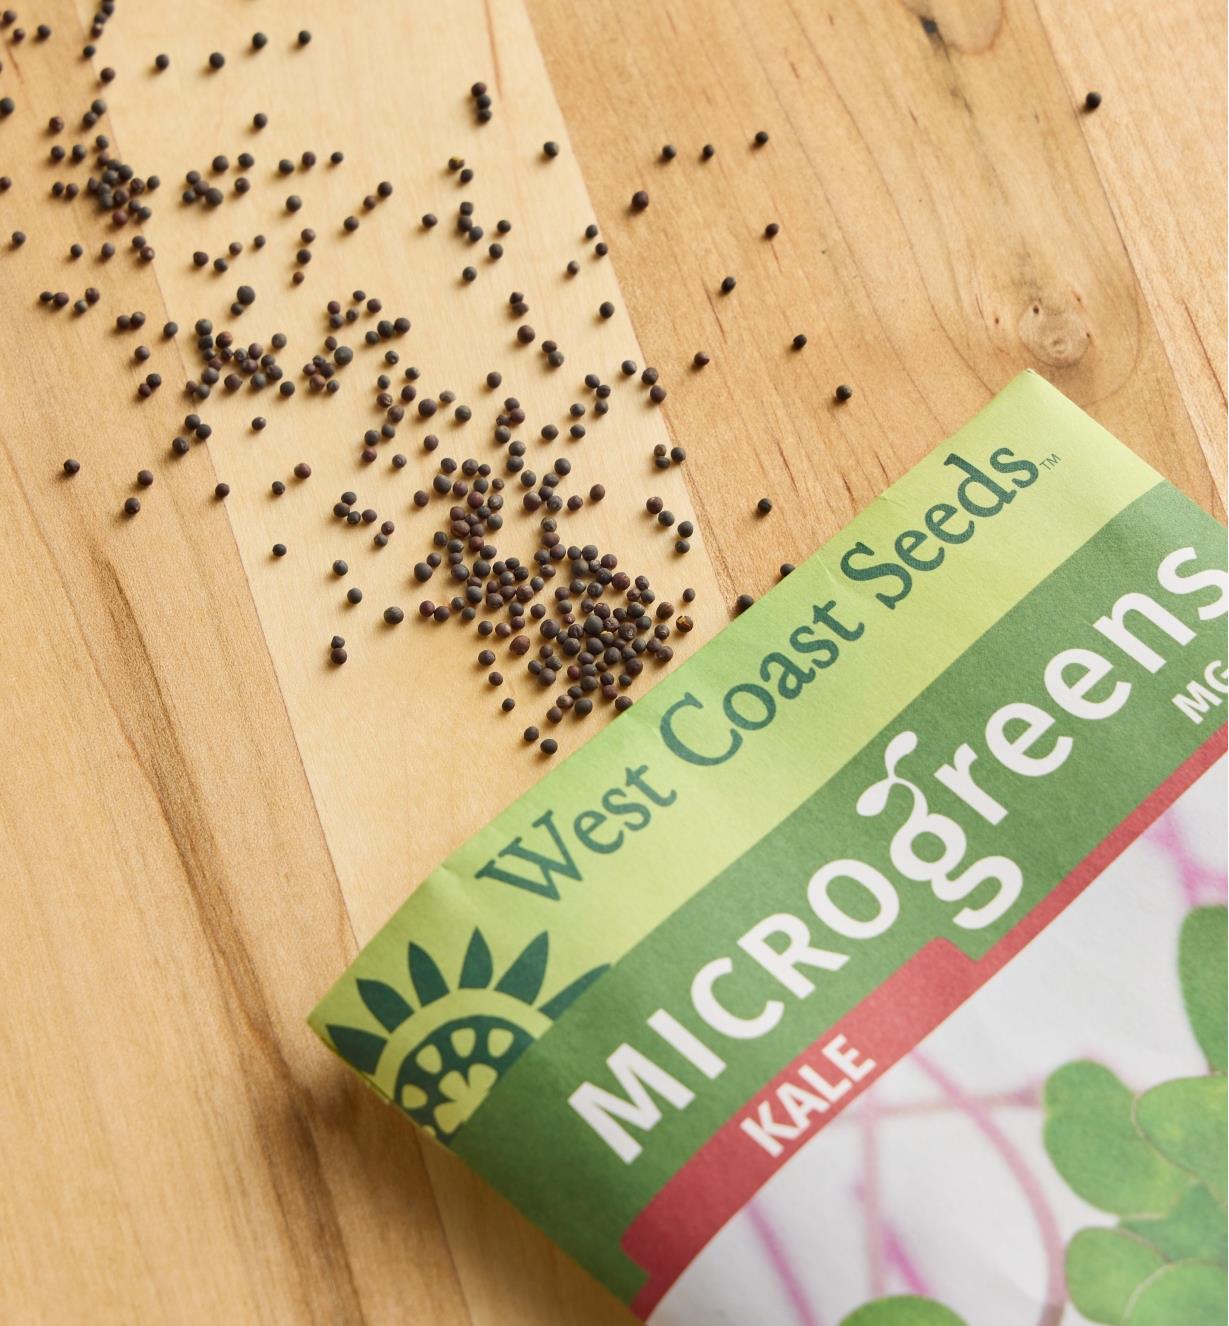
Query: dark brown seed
[[394, 616], [550, 149], [771, 230], [799, 341], [640, 200], [1092, 101], [699, 359], [549, 746], [843, 392], [132, 505], [657, 393], [743, 602], [524, 333], [279, 550], [145, 478], [72, 466], [338, 655], [761, 138], [727, 284], [764, 505], [221, 490], [354, 595]]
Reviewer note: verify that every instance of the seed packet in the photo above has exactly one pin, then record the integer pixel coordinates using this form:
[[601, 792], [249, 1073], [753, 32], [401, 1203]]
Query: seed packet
[[871, 969]]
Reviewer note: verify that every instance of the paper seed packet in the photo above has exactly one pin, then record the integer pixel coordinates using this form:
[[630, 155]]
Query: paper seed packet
[[871, 969]]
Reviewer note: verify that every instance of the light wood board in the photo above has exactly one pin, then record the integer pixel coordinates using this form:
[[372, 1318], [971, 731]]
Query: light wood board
[[200, 818]]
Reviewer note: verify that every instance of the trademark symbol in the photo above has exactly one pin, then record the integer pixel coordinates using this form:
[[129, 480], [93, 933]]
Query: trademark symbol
[[1051, 460]]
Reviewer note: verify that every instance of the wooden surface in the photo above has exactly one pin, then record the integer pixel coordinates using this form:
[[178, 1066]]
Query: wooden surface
[[200, 820]]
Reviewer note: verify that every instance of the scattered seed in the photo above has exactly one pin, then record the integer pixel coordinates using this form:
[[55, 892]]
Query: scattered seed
[[843, 392]]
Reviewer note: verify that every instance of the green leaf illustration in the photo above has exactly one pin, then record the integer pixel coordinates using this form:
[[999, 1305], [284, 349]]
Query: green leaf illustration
[[428, 980], [524, 978], [1185, 1121], [1195, 1230], [361, 1049], [384, 1004], [1095, 1145], [1181, 1294], [1201, 970], [1104, 1268], [905, 1310], [476, 968]]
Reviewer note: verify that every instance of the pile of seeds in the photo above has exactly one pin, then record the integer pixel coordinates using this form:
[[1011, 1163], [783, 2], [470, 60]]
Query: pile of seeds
[[567, 618]]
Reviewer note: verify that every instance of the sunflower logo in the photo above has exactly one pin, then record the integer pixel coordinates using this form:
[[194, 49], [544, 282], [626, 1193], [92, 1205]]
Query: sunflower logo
[[444, 1047]]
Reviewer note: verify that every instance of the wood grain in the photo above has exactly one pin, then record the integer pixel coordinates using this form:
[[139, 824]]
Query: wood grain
[[200, 818]]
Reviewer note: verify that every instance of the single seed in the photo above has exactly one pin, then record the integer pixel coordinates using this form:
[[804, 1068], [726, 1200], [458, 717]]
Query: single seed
[[72, 466], [132, 505], [771, 230], [606, 309], [640, 200], [549, 746], [761, 137], [1092, 101], [843, 392], [669, 152], [550, 149], [727, 284], [217, 60], [354, 595], [340, 568], [699, 359], [338, 655], [221, 491], [764, 505], [394, 616]]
